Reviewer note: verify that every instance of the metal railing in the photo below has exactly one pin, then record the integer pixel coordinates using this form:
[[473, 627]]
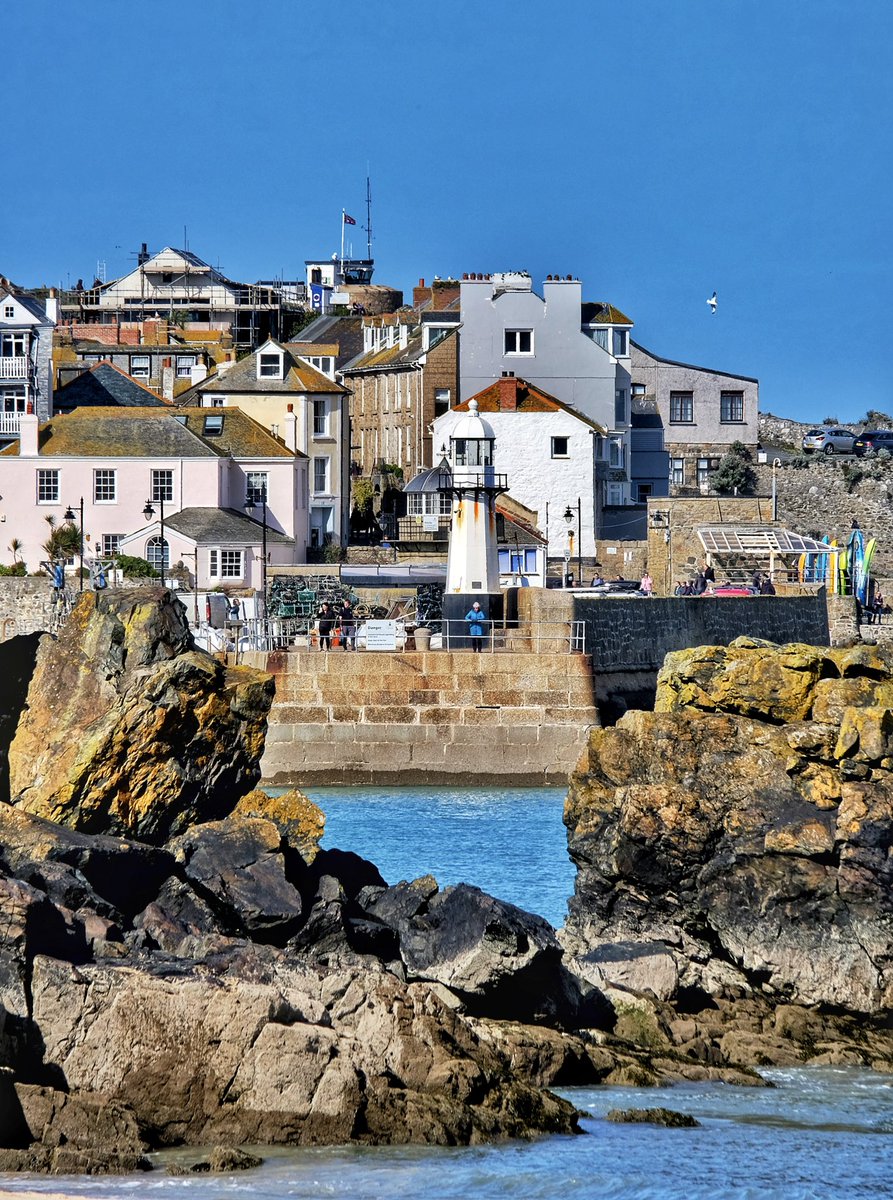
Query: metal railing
[[252, 633]]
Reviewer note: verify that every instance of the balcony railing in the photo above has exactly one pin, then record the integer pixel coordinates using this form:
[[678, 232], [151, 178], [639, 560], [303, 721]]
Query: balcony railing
[[13, 367], [9, 423], [418, 528]]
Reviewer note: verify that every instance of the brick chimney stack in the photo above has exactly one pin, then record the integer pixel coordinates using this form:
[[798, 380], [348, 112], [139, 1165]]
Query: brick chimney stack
[[509, 393]]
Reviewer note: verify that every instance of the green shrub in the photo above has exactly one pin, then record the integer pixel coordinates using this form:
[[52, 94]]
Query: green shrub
[[135, 568]]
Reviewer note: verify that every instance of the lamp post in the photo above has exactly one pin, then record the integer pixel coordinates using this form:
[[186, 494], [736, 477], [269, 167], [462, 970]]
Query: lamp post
[[569, 521], [149, 513], [776, 463], [250, 505], [69, 516]]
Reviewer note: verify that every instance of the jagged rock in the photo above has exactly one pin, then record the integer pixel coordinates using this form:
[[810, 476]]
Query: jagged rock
[[79, 1133], [17, 658], [259, 1050], [499, 959], [129, 729], [221, 1159], [301, 822], [111, 876], [738, 836], [652, 1116], [240, 866]]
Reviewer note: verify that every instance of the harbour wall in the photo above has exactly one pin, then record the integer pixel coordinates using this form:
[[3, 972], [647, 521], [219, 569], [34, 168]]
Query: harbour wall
[[434, 717]]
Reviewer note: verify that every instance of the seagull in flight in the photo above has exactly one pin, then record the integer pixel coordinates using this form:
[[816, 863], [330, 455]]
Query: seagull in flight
[[712, 303]]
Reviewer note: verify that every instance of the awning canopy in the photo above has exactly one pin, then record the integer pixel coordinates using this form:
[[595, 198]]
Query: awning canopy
[[758, 541]]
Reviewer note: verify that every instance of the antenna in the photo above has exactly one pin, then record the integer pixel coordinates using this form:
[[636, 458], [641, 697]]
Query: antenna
[[368, 214], [185, 239], [100, 270]]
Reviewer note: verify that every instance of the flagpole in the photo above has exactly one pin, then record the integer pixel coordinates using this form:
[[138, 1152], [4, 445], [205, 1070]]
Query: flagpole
[[342, 241]]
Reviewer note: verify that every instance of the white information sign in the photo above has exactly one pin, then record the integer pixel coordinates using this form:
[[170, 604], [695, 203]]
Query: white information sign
[[381, 635], [430, 522]]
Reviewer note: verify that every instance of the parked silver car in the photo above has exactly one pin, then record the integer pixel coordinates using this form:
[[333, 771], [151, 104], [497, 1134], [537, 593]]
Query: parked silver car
[[829, 441]]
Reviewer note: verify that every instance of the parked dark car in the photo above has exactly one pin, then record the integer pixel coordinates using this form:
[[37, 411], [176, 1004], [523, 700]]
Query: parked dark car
[[829, 441], [872, 440]]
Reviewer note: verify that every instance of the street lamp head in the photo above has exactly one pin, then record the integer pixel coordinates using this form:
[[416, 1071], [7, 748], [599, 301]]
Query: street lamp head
[[148, 511], [568, 515], [250, 504], [68, 515]]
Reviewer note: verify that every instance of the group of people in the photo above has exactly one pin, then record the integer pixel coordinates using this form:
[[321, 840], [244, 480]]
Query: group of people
[[339, 624], [762, 584], [697, 584]]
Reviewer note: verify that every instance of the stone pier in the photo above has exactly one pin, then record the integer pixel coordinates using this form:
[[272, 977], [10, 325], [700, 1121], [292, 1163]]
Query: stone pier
[[436, 717]]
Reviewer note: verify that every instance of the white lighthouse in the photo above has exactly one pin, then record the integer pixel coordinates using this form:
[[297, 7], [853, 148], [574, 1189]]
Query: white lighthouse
[[472, 562]]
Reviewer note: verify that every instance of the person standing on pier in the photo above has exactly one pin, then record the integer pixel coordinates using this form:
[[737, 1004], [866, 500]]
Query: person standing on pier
[[476, 619], [326, 625]]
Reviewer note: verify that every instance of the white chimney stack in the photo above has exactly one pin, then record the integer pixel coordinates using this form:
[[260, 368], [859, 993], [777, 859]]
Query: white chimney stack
[[28, 427]]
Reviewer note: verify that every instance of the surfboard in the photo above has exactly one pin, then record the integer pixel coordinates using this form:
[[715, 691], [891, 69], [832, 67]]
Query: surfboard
[[822, 569], [865, 575], [801, 568]]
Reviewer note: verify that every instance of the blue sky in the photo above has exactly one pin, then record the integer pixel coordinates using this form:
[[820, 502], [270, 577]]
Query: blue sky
[[658, 150]]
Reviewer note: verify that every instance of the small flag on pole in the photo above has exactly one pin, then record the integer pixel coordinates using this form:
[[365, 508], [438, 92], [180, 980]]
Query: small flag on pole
[[347, 220]]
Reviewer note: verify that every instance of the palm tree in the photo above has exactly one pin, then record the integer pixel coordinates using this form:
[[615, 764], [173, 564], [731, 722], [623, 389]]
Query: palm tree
[[16, 546], [64, 540]]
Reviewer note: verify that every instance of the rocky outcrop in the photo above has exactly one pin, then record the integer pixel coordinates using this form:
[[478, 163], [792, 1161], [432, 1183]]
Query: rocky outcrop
[[223, 990], [736, 842], [128, 729], [296, 817]]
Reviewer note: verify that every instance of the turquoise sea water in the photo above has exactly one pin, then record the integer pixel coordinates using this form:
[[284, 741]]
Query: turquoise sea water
[[509, 841], [818, 1134]]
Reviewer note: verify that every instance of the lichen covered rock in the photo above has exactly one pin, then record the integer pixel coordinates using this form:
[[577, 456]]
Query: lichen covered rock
[[741, 834], [129, 729]]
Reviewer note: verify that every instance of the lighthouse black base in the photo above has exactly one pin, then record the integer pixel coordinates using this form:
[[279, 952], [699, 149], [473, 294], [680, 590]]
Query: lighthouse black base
[[456, 605]]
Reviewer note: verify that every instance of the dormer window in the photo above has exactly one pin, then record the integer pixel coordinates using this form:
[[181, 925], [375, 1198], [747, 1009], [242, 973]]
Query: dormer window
[[618, 342], [269, 364]]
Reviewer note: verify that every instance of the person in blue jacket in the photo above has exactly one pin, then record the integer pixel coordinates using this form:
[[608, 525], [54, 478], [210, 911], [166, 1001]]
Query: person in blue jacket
[[476, 619]]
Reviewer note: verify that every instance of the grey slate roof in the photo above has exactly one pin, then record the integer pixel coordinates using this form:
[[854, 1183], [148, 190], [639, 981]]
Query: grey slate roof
[[670, 362], [102, 386], [220, 526], [346, 331]]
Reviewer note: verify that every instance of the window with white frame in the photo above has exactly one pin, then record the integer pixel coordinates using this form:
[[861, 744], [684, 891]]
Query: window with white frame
[[256, 484], [47, 487], [8, 311], [162, 484], [560, 447], [140, 366], [105, 486], [706, 467], [682, 408], [320, 474], [225, 564], [677, 471], [12, 399], [110, 545], [731, 407], [12, 345], [320, 419], [158, 554], [519, 341], [618, 342], [616, 452], [185, 363], [269, 365], [600, 337]]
